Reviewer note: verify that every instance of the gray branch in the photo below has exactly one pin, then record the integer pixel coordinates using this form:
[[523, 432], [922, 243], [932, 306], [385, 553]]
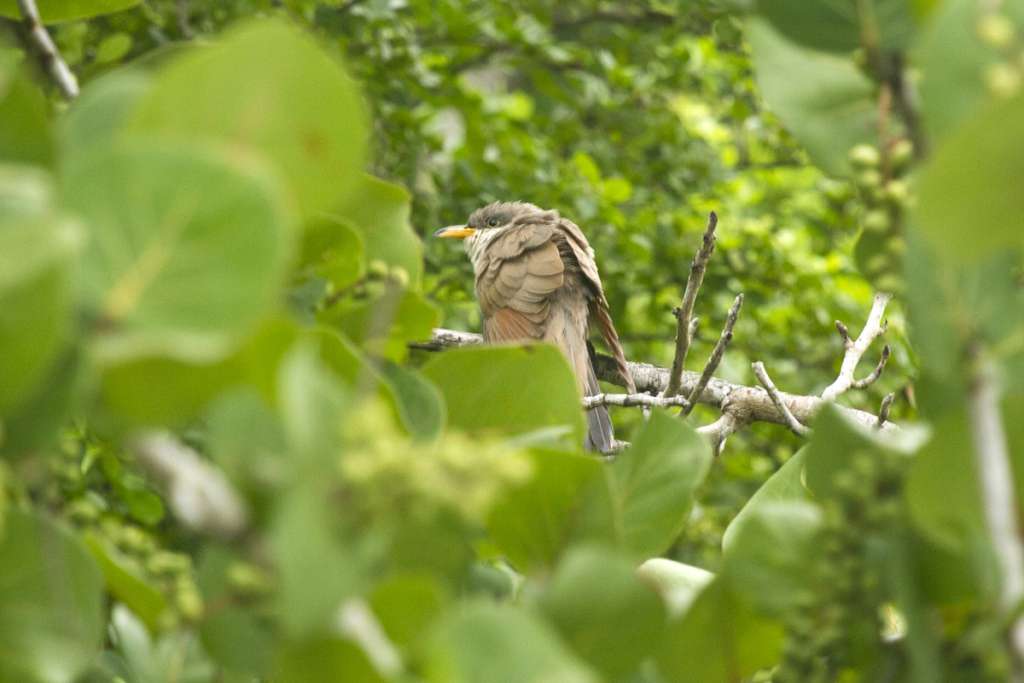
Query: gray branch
[[684, 314], [41, 41], [855, 349], [633, 401], [992, 458], [745, 404], [776, 397], [716, 355]]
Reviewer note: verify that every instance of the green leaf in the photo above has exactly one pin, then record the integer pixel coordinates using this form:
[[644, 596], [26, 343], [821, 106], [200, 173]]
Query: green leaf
[[533, 523], [323, 660], [507, 390], [489, 642], [25, 130], [333, 249], [417, 402], [101, 111], [824, 100], [650, 487], [841, 25], [311, 405], [56, 11], [719, 639], [971, 181], [124, 582], [379, 210], [36, 298], [268, 89], [384, 325], [406, 605], [51, 619], [767, 557], [315, 574], [784, 486], [606, 615], [679, 584], [186, 251], [947, 509]]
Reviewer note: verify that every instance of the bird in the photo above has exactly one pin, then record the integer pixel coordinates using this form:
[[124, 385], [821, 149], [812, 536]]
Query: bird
[[536, 280]]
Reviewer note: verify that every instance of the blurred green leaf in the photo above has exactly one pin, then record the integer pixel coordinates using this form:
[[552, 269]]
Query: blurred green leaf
[[677, 583], [333, 249], [51, 619], [606, 615], [101, 111], [507, 390], [54, 11], [718, 640], [311, 404], [379, 210], [824, 99], [186, 251], [767, 558], [785, 486], [841, 26], [125, 584], [418, 403], [269, 89], [406, 605], [324, 660], [385, 324], [969, 202], [489, 642], [25, 130], [650, 487], [533, 523], [36, 295]]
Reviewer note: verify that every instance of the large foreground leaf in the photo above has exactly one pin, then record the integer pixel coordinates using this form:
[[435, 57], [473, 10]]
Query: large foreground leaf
[[51, 622], [186, 252], [53, 11], [267, 88]]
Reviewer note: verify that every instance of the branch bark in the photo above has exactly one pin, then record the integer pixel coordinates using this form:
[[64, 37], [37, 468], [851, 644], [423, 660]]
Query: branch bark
[[992, 457], [744, 404], [776, 397], [40, 40], [855, 349], [716, 354], [684, 314]]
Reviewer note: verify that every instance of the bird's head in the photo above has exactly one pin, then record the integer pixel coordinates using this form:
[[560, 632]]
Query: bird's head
[[494, 217]]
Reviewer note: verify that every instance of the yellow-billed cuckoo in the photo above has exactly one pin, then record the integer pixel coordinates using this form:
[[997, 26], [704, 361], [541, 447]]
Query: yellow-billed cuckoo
[[536, 279]]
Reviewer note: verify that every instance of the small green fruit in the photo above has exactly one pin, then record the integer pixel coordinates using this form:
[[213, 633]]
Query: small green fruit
[[996, 30], [865, 156]]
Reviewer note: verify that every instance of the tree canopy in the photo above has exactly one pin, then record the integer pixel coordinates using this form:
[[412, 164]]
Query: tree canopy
[[247, 432]]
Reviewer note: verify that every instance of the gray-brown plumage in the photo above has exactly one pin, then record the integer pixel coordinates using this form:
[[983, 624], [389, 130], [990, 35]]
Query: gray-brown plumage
[[536, 279]]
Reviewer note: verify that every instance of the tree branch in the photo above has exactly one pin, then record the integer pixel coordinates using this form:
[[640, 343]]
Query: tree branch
[[716, 354], [992, 457], [685, 311], [855, 350], [633, 401], [776, 397], [41, 41], [745, 404]]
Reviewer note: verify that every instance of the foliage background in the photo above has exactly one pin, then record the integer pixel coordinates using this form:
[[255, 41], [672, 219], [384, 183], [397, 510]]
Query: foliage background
[[634, 119]]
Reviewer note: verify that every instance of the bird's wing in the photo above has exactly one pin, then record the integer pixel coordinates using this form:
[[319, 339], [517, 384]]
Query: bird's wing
[[599, 309], [521, 271]]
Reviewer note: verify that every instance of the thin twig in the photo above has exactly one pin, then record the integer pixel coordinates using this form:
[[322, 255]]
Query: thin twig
[[883, 411], [876, 373], [633, 401], [855, 349], [685, 311], [992, 457], [40, 39], [716, 355], [721, 429], [769, 386]]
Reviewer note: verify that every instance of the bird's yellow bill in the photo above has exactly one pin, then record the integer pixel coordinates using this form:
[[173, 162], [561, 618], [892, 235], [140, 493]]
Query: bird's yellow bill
[[458, 232]]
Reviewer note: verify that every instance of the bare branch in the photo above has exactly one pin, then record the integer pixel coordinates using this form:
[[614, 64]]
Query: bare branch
[[883, 411], [633, 401], [754, 401], [716, 355], [41, 41], [721, 429], [855, 349], [685, 311], [876, 373], [992, 458], [773, 393], [198, 492]]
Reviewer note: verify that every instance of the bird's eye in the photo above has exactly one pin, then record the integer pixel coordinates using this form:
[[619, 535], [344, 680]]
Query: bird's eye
[[493, 221]]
